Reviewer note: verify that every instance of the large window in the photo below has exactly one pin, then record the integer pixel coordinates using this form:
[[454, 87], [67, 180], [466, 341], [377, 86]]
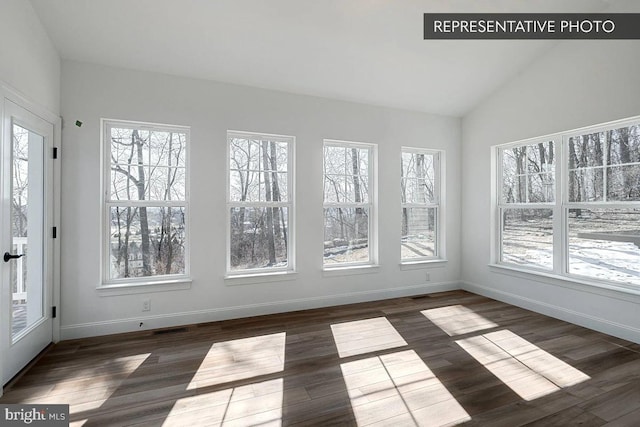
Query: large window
[[582, 220], [259, 203], [421, 204], [146, 202], [349, 204]]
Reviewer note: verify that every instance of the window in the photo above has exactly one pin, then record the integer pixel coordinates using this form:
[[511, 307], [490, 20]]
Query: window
[[260, 203], [526, 204], [582, 220], [603, 203], [146, 202], [421, 198], [349, 204]]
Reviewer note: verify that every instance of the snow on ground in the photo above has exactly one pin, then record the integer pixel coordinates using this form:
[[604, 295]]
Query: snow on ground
[[594, 259]]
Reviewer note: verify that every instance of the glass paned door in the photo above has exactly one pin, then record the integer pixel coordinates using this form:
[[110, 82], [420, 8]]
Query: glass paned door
[[27, 230], [27, 246]]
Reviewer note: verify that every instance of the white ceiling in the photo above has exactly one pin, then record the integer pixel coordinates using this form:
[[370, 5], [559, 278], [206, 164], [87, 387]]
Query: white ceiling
[[368, 51]]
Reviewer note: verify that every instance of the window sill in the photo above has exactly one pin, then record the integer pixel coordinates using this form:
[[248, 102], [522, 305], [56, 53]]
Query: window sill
[[253, 278], [612, 290], [350, 270], [114, 289], [427, 263]]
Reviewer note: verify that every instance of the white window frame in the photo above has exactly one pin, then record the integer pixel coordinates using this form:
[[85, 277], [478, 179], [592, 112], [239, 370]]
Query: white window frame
[[554, 206], [263, 273], [107, 282], [371, 205], [560, 207], [437, 203]]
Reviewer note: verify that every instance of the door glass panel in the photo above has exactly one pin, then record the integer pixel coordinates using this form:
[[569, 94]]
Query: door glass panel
[[27, 229]]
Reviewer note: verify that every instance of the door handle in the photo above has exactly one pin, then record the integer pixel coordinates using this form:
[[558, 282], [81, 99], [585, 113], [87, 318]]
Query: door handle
[[7, 256]]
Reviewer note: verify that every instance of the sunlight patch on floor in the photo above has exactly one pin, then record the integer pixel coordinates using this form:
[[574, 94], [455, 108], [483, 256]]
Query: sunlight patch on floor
[[399, 389], [365, 336], [93, 388], [457, 320], [248, 405], [241, 359], [527, 369]]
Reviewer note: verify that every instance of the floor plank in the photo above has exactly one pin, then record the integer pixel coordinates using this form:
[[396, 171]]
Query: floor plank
[[441, 359]]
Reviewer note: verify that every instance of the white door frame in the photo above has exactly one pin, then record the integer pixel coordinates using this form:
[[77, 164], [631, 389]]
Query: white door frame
[[10, 94]]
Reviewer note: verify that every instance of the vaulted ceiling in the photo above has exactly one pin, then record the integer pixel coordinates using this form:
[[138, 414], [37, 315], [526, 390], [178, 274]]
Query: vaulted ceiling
[[368, 51]]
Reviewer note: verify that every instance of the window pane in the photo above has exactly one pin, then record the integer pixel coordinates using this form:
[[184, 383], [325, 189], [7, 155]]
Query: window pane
[[282, 156], [268, 156], [541, 158], [514, 183], [177, 184], [346, 235], [541, 188], [124, 184], [146, 241], [410, 192], [623, 183], [280, 189], [408, 165], [244, 154], [604, 244], [357, 189], [418, 233], [258, 238], [624, 145], [334, 188], [527, 237], [528, 173], [586, 150], [166, 184], [129, 146], [514, 188], [362, 157], [404, 188], [244, 186], [239, 154], [426, 191], [335, 160], [122, 150], [167, 148], [586, 185]]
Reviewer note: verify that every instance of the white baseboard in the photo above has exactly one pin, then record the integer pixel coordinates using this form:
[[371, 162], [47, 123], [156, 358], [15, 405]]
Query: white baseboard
[[116, 326], [579, 318]]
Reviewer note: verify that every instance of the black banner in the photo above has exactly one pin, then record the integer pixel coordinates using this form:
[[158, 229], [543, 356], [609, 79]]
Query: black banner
[[531, 26]]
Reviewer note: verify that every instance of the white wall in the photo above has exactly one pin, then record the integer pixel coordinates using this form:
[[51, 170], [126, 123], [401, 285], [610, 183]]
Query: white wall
[[576, 84], [92, 92], [29, 63]]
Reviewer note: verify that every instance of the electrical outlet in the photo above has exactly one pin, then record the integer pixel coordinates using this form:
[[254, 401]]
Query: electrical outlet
[[428, 277], [146, 305]]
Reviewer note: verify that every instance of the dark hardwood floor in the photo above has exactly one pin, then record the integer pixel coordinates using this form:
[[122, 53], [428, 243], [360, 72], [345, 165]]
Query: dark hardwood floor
[[440, 359]]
